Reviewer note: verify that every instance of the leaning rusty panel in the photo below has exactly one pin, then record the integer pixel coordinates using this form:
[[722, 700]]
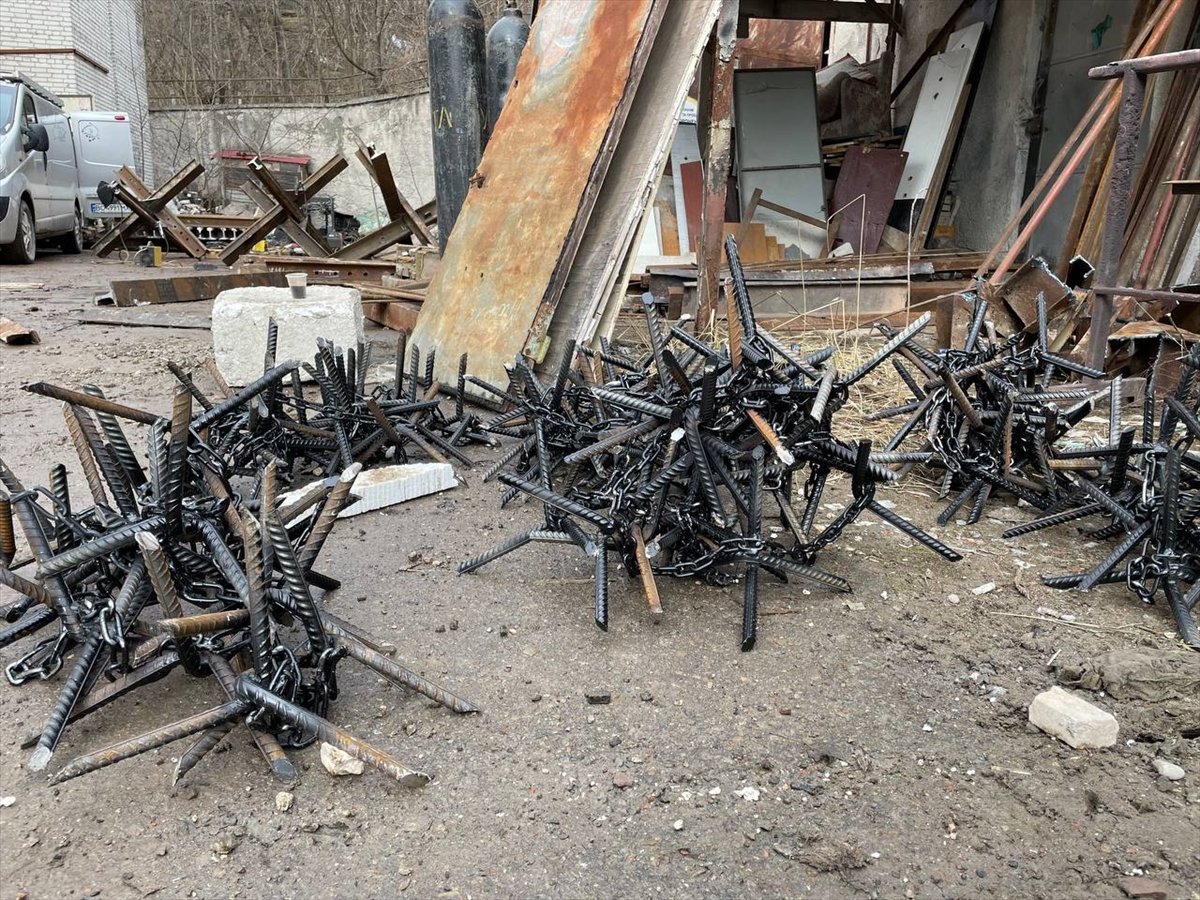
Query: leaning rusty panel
[[515, 237]]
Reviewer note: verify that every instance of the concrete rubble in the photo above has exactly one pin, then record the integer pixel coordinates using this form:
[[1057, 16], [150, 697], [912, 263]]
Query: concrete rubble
[[1073, 720]]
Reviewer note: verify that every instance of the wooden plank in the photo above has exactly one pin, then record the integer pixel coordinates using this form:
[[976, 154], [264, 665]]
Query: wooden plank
[[397, 315], [752, 240], [507, 261], [715, 132], [668, 220], [16, 334], [629, 187], [872, 174]]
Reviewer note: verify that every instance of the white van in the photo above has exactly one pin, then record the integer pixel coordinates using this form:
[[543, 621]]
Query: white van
[[39, 182], [103, 144]]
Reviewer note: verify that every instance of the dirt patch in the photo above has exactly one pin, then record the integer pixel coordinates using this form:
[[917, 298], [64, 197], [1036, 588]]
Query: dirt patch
[[887, 743]]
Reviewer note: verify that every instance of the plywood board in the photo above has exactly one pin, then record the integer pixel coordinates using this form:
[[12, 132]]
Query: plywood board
[[865, 190], [629, 187], [507, 261], [930, 128], [668, 222]]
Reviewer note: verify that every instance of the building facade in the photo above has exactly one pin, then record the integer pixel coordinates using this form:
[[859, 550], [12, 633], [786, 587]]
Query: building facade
[[89, 52]]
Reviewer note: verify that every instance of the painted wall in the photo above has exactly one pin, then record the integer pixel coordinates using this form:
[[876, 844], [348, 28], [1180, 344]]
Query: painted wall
[[989, 173], [399, 126]]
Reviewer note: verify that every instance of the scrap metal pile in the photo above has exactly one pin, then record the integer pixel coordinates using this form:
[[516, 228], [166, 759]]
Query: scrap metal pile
[[667, 461], [347, 424], [229, 565]]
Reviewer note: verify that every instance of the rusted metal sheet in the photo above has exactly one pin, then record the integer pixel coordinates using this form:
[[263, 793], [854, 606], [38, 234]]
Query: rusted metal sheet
[[515, 239], [1019, 294], [609, 243], [781, 44], [183, 288], [865, 190]]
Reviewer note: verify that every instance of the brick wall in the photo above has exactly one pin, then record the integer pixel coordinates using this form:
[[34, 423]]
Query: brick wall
[[108, 31]]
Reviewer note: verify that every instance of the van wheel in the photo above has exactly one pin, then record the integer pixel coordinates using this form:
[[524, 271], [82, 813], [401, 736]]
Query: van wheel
[[73, 242], [23, 249]]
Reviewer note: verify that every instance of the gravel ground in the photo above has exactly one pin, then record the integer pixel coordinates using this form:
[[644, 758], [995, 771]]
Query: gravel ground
[[873, 745]]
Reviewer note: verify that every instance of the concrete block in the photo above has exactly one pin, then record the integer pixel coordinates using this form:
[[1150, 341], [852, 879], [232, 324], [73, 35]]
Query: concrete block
[[1072, 719], [389, 485], [239, 326], [384, 486]]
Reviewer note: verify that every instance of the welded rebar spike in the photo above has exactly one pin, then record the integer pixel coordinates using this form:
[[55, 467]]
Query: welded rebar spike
[[176, 731], [206, 743], [601, 588], [309, 722], [86, 460], [513, 543], [399, 675], [913, 531], [1184, 618], [888, 349], [1118, 553], [1050, 521], [274, 754], [754, 532]]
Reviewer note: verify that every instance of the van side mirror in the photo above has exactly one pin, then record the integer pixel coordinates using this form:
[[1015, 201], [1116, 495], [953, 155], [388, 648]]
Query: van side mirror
[[35, 138]]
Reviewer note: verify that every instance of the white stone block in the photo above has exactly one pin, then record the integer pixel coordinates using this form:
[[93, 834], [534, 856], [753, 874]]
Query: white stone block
[[384, 486], [239, 326], [389, 485], [1072, 719], [1169, 770]]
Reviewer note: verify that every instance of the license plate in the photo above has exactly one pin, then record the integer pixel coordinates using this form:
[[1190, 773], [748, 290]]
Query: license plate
[[112, 209]]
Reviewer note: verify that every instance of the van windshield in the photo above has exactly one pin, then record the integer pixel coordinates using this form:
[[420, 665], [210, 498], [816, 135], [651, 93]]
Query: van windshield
[[8, 97]]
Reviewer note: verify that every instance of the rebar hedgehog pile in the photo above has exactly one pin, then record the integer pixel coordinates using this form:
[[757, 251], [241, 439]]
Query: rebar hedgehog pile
[[1148, 488], [668, 461], [1002, 414], [987, 414], [229, 567]]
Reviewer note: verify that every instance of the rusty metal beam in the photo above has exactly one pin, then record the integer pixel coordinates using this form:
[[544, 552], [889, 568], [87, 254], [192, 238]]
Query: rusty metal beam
[[1147, 65], [397, 205], [717, 157], [295, 229], [332, 271]]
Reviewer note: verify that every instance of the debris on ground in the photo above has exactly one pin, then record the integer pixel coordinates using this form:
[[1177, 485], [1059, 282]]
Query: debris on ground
[[1073, 720]]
